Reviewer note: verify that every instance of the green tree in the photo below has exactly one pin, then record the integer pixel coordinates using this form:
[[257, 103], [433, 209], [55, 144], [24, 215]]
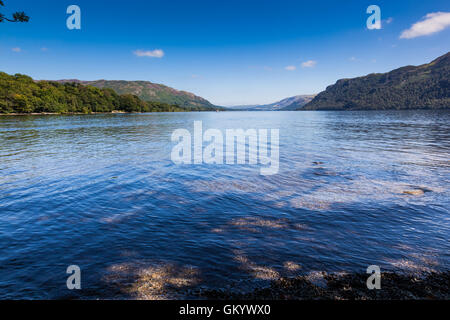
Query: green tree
[[19, 16], [21, 94]]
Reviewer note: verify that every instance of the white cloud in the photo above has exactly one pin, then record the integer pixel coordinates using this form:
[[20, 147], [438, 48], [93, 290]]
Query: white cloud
[[309, 64], [157, 53], [17, 49], [290, 68], [432, 23], [389, 20]]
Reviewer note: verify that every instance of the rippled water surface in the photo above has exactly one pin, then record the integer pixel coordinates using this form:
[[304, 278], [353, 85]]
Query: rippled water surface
[[100, 191]]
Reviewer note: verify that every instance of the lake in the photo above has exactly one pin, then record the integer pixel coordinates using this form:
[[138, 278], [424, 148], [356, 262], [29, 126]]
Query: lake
[[100, 191]]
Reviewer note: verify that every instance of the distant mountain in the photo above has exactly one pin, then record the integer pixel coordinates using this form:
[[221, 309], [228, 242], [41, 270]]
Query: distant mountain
[[412, 87], [291, 103], [149, 91], [244, 107]]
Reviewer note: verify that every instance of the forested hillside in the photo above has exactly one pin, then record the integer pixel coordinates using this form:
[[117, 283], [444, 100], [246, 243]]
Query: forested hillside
[[21, 94], [422, 87], [149, 91]]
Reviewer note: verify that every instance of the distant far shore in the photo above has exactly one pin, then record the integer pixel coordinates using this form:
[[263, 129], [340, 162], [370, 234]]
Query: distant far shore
[[260, 111], [81, 113], [55, 113]]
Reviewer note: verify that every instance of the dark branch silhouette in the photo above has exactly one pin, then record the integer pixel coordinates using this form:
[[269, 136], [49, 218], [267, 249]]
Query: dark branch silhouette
[[16, 17]]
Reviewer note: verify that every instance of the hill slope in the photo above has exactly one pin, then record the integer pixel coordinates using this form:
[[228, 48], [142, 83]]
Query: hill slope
[[149, 91], [422, 87], [290, 103], [21, 94], [296, 102]]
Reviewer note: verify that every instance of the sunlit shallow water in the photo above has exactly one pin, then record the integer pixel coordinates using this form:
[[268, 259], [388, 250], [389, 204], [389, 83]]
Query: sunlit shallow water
[[100, 191]]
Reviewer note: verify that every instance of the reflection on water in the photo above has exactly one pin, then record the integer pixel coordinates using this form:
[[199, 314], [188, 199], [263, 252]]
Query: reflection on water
[[354, 189]]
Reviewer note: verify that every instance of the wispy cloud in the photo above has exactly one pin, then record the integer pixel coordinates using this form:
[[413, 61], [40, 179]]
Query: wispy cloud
[[309, 64], [389, 20], [44, 49], [431, 23], [157, 53], [290, 68], [17, 49]]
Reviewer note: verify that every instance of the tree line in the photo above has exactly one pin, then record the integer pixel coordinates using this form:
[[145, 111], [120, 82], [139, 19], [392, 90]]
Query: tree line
[[21, 94]]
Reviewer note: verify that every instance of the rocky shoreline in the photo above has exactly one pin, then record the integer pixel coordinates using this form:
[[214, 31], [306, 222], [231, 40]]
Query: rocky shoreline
[[61, 114], [171, 282], [350, 286]]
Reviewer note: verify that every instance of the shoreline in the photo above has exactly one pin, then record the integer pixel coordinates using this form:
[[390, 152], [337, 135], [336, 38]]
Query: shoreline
[[92, 113], [345, 286], [61, 114], [138, 282], [262, 111]]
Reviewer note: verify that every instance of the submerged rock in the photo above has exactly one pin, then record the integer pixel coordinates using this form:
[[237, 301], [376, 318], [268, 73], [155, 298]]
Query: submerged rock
[[418, 191], [414, 192], [347, 286]]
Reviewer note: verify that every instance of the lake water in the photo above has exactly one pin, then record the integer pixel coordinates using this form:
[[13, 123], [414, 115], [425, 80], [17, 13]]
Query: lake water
[[100, 191]]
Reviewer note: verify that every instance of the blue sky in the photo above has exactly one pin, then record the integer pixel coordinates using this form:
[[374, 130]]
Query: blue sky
[[229, 52]]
